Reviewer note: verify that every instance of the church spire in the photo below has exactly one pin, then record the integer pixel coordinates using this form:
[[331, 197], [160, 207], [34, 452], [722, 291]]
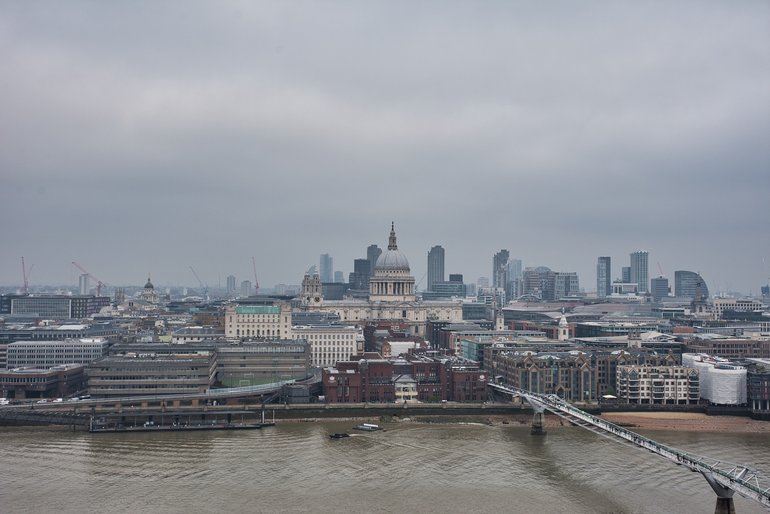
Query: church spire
[[392, 240]]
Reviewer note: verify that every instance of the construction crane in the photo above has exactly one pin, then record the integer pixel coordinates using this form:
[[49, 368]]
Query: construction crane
[[25, 274], [205, 288], [99, 283], [256, 282]]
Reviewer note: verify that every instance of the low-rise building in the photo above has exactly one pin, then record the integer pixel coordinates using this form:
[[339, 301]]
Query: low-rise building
[[669, 385], [371, 378], [570, 375], [55, 382], [261, 362], [258, 318], [147, 374], [729, 347], [331, 343], [197, 334], [759, 388], [47, 354], [721, 383]]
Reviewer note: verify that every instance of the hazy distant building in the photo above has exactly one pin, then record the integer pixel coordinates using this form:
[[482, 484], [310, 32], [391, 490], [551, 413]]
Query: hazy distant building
[[640, 270], [625, 274], [513, 283], [53, 306], [659, 288], [539, 282], [566, 284], [359, 278], [339, 277], [373, 253], [500, 268], [687, 284], [435, 266], [246, 288], [231, 285], [83, 284], [326, 268], [603, 277], [482, 282]]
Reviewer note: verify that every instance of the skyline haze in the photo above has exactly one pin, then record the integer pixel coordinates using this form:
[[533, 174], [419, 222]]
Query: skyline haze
[[146, 138]]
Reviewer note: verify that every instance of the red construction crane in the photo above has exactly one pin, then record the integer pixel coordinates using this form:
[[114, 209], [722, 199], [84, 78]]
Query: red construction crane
[[256, 282], [99, 283]]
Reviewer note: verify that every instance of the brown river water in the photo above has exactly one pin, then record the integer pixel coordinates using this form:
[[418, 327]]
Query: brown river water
[[407, 468]]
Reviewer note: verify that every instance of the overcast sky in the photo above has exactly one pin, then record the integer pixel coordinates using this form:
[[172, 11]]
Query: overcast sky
[[145, 137]]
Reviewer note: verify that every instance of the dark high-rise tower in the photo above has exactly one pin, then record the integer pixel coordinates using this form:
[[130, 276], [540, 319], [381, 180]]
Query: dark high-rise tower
[[435, 266], [603, 277], [500, 268], [373, 253]]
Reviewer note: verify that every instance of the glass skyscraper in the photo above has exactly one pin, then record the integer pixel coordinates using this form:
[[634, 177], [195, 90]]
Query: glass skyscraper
[[640, 273], [603, 277]]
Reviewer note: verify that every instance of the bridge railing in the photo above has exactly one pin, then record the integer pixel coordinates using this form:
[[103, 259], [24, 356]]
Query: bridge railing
[[738, 477]]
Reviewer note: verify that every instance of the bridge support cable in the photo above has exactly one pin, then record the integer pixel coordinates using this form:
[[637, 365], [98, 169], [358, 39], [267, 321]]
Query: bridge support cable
[[725, 479]]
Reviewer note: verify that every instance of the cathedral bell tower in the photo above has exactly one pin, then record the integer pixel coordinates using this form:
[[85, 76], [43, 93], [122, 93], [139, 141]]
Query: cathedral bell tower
[[312, 291]]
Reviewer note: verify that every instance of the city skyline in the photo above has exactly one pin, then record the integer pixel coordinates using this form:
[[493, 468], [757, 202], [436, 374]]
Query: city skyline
[[224, 132]]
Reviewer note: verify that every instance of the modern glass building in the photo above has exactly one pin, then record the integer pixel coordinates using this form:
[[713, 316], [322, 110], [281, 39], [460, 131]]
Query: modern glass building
[[435, 266], [640, 270], [688, 284]]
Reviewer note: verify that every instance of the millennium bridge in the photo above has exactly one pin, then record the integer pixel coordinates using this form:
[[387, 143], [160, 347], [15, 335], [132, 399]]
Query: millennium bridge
[[725, 479]]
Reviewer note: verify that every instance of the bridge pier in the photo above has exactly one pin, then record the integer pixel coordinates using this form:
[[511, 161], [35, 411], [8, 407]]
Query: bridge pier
[[725, 504], [537, 423]]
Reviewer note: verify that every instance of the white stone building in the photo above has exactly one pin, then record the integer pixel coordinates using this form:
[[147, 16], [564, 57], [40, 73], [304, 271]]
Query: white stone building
[[268, 318], [331, 343], [391, 296]]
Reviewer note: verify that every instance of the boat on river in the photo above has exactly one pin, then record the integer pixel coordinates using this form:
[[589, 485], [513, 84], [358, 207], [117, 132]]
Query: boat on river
[[367, 427]]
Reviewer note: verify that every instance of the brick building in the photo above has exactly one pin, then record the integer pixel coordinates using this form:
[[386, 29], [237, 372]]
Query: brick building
[[371, 378]]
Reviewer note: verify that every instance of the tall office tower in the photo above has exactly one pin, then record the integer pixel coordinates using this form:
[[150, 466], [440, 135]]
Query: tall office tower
[[327, 268], [659, 288], [435, 266], [373, 253], [482, 282], [500, 268], [513, 280], [603, 277], [230, 284], [640, 271], [339, 277], [625, 275], [83, 283], [246, 288], [689, 284]]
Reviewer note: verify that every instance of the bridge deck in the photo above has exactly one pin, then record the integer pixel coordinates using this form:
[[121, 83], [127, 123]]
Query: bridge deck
[[741, 479]]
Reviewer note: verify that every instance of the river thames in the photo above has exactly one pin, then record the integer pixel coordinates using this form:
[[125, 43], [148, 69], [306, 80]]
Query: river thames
[[408, 468]]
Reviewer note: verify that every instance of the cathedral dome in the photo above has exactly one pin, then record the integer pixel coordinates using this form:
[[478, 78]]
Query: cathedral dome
[[393, 259], [149, 285]]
